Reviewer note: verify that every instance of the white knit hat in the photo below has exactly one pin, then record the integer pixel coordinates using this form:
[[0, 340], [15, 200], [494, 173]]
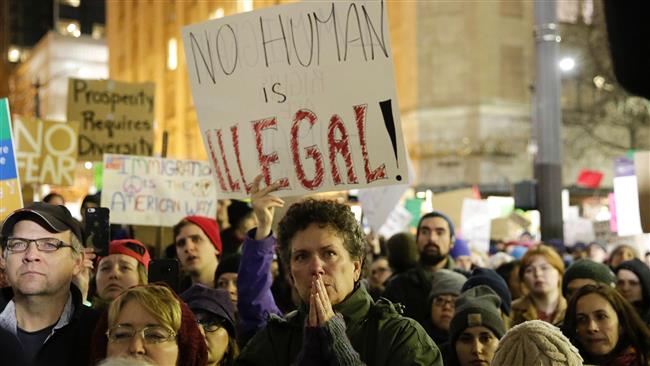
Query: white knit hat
[[536, 343]]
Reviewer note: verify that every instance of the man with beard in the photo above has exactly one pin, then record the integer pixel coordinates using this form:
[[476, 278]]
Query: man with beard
[[435, 238]]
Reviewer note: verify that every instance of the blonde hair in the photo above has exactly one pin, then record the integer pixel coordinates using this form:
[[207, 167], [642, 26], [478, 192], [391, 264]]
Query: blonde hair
[[159, 301]]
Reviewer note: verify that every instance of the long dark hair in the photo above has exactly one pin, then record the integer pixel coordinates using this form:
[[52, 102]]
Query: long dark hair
[[635, 332]]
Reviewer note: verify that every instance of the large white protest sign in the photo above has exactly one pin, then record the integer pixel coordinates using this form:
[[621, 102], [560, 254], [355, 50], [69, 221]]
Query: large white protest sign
[[475, 223], [303, 93], [379, 203], [141, 190]]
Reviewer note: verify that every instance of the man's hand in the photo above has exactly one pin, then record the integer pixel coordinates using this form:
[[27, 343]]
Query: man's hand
[[82, 279], [320, 307], [264, 204]]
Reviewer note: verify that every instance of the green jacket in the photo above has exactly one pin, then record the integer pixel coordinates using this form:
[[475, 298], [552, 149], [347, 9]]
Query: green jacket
[[376, 331]]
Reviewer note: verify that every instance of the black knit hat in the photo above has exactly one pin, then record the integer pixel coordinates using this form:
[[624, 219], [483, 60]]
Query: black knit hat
[[588, 269], [642, 271], [237, 211], [229, 264], [488, 277], [476, 307]]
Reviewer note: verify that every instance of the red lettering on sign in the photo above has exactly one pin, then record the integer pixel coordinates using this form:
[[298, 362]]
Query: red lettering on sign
[[215, 163], [340, 146], [234, 185], [312, 151], [380, 171], [234, 131], [267, 159]]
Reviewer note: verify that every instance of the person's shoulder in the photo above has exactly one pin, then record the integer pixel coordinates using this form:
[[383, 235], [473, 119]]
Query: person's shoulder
[[276, 323], [412, 276], [521, 304], [391, 316], [6, 294]]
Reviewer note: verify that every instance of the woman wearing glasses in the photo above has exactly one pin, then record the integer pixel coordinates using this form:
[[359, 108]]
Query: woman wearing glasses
[[215, 313], [150, 323]]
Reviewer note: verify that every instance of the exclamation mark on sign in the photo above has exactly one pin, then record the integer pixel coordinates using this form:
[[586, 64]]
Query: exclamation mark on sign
[[387, 113]]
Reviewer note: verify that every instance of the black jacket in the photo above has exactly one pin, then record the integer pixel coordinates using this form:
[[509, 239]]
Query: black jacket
[[68, 346], [411, 289]]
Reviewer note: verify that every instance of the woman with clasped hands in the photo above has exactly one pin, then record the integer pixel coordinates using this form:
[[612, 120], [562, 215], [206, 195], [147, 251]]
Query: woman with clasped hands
[[337, 322]]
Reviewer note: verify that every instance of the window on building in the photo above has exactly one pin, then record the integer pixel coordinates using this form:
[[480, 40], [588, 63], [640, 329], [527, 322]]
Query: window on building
[[172, 54], [244, 5], [99, 31], [69, 27], [72, 3], [217, 13], [512, 8], [572, 11]]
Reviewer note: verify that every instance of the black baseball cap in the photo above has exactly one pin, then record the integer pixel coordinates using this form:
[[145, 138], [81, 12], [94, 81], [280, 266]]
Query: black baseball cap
[[54, 218]]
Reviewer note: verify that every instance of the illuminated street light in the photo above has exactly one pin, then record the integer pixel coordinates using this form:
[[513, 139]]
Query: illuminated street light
[[567, 64], [219, 13], [14, 54], [71, 28]]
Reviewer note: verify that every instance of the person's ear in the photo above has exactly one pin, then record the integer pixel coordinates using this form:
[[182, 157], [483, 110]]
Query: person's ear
[[358, 264]]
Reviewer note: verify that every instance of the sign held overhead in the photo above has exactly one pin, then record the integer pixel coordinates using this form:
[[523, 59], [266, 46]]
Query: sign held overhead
[[303, 93]]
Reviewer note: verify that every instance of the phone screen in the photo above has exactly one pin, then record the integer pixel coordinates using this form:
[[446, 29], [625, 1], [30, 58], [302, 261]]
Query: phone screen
[[97, 227], [167, 271]]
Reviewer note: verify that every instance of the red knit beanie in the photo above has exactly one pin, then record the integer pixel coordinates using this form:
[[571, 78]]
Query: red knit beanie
[[210, 229]]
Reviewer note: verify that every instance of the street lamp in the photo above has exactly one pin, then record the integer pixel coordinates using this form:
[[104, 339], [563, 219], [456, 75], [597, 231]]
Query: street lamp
[[567, 64]]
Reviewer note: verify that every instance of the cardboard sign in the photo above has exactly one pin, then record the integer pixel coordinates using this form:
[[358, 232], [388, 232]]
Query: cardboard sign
[[140, 190], [451, 202], [303, 93], [114, 117], [10, 193], [46, 151]]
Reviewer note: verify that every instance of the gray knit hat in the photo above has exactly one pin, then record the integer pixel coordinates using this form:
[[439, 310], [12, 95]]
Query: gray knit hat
[[536, 343], [586, 268], [477, 307], [446, 282]]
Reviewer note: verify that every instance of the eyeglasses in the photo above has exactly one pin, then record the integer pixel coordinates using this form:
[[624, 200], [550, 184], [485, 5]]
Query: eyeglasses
[[210, 325], [441, 301], [151, 334], [19, 245]]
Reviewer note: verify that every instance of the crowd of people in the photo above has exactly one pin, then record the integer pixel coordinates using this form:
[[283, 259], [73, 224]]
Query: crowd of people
[[313, 292]]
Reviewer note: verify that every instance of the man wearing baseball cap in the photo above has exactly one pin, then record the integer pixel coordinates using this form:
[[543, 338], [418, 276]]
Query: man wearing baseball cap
[[198, 247], [43, 309]]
